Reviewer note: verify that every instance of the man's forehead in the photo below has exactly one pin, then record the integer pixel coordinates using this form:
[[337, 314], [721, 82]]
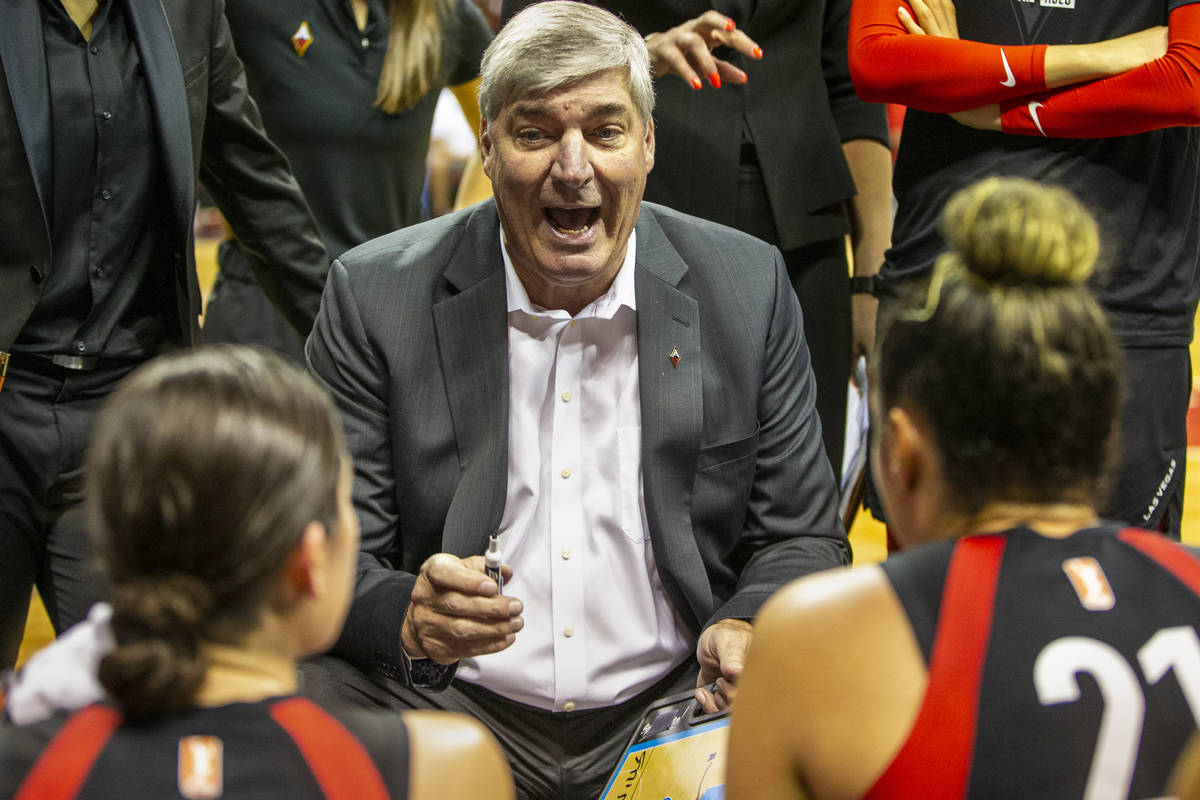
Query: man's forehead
[[582, 92]]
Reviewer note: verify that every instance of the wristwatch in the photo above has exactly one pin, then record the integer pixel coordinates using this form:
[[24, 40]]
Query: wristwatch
[[865, 284]]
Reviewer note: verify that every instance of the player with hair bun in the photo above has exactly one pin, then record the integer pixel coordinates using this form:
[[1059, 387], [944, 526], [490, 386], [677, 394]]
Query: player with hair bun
[[1020, 646]]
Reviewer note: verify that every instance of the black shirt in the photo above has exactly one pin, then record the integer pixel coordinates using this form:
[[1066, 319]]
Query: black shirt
[[1144, 190], [314, 75], [107, 206]]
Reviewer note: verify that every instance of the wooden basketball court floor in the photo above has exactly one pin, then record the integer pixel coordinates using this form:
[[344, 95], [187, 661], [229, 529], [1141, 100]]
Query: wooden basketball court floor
[[866, 536]]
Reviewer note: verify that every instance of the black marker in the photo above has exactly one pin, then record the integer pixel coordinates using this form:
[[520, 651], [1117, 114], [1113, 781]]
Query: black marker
[[492, 560]]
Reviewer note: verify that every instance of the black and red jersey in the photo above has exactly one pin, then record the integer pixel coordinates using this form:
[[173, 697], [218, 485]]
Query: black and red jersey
[[287, 748], [1058, 668]]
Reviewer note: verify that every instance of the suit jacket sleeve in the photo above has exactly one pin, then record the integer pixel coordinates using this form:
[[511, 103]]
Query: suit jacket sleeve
[[855, 119], [252, 184], [791, 526], [341, 355]]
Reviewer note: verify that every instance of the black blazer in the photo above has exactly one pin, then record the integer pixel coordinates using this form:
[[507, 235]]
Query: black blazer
[[799, 106], [207, 128], [412, 341]]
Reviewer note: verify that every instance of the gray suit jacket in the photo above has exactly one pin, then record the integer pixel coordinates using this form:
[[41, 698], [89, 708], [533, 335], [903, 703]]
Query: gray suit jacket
[[207, 127], [412, 340]]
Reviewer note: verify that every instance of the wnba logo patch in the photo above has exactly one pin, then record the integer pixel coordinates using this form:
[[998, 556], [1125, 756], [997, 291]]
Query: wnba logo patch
[[302, 38], [1090, 583], [201, 767]]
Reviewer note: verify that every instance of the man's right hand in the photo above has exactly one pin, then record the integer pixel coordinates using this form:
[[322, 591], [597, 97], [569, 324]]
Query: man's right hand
[[455, 611]]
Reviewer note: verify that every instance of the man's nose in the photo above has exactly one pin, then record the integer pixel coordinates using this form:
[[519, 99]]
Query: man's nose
[[572, 166]]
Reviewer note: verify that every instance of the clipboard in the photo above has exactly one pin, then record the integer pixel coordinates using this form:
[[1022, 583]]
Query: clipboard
[[677, 751]]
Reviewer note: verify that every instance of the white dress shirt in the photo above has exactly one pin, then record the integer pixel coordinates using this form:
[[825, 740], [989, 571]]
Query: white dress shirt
[[598, 625]]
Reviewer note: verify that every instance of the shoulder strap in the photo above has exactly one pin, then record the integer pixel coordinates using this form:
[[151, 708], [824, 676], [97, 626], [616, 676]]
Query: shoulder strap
[[1168, 554], [64, 765], [944, 732], [338, 761]]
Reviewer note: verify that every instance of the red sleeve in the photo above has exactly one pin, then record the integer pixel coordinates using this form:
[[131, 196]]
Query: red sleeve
[[933, 73], [1161, 94]]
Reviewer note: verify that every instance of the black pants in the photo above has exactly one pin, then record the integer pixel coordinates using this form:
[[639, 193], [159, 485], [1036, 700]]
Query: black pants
[[568, 755], [46, 415], [820, 276]]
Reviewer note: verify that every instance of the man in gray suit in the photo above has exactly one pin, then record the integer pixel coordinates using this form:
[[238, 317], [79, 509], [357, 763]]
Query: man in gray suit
[[619, 392]]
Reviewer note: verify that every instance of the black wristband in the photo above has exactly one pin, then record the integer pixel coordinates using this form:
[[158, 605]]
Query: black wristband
[[865, 284]]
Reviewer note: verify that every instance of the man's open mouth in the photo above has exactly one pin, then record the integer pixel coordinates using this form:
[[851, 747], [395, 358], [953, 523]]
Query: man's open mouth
[[572, 221]]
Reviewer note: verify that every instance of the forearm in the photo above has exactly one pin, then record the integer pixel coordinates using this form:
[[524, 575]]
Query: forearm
[[870, 209], [1163, 93], [945, 75], [933, 73]]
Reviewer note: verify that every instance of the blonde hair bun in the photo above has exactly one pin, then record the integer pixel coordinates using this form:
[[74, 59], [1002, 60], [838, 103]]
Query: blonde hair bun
[[1013, 231]]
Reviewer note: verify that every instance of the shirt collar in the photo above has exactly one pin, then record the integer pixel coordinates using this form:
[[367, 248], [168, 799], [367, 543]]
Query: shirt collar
[[620, 293]]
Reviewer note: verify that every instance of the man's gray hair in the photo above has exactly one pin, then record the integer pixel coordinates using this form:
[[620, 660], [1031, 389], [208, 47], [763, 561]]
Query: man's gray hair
[[557, 43]]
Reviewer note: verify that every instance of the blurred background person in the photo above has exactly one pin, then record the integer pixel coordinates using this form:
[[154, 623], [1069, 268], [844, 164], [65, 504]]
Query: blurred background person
[[231, 549], [111, 113], [777, 153], [1022, 647], [1100, 100], [348, 92]]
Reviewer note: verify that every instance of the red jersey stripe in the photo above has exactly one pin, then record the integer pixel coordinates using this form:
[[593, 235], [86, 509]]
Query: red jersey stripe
[[935, 760], [338, 761], [1166, 553], [64, 765]]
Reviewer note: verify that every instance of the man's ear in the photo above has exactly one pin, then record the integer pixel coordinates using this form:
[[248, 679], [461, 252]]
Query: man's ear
[[485, 148], [305, 569], [650, 147]]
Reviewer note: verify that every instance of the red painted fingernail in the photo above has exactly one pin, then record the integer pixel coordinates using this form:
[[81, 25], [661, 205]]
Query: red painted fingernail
[[715, 80], [756, 52], [696, 84], [730, 25]]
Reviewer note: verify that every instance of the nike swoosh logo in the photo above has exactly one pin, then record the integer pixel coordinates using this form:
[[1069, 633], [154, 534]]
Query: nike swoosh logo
[[1033, 107], [1011, 80]]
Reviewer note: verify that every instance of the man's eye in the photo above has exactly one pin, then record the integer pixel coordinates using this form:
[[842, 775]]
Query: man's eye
[[530, 136], [607, 132]]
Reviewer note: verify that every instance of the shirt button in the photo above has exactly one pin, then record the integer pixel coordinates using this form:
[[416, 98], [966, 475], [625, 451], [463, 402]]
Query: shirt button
[[365, 43], [80, 347], [569, 705], [566, 555], [568, 632], [106, 194], [98, 272], [106, 114], [566, 472], [566, 396], [94, 50], [35, 275]]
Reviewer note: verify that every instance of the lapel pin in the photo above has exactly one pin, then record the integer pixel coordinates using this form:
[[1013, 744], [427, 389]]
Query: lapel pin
[[674, 357], [302, 38]]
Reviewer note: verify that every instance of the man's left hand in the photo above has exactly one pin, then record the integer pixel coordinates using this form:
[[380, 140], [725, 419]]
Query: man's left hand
[[721, 652]]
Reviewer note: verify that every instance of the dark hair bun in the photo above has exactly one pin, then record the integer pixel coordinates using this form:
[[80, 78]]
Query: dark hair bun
[[157, 665]]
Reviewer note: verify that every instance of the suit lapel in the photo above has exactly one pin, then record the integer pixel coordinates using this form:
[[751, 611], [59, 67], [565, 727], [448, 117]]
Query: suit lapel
[[472, 338], [672, 416], [168, 97], [24, 62]]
